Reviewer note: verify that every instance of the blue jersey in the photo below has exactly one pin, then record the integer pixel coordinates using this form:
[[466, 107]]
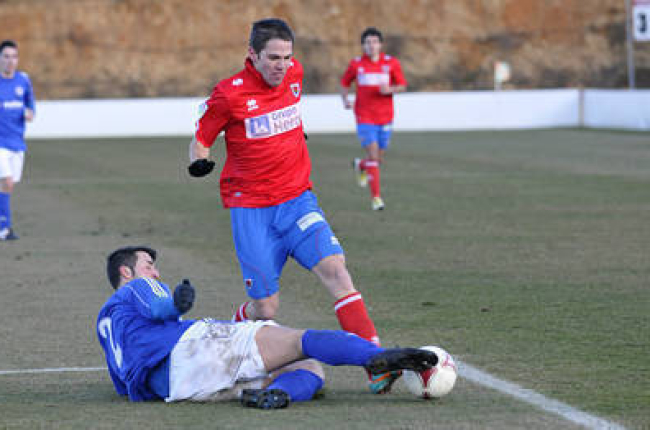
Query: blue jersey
[[138, 327], [15, 95]]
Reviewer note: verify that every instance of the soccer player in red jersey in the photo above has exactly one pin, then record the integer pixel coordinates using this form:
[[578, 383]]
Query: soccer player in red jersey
[[265, 183], [378, 76]]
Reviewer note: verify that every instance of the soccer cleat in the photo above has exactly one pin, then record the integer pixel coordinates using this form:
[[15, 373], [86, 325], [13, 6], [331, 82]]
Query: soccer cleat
[[7, 234], [400, 359], [265, 398], [377, 204], [362, 176], [381, 384]]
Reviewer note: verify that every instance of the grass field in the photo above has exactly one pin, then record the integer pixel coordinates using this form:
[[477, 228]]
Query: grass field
[[523, 253]]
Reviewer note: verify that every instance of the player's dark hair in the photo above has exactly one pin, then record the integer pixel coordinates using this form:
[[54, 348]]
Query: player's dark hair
[[371, 31], [124, 256], [7, 43], [267, 29]]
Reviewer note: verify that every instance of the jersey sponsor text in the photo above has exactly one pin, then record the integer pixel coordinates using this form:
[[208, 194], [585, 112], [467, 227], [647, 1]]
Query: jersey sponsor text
[[273, 123]]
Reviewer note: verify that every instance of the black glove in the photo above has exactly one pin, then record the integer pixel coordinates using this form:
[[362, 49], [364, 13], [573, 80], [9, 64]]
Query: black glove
[[201, 167], [184, 296]]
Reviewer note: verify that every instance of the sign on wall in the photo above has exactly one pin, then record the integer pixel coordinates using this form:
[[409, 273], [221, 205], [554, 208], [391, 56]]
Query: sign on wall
[[641, 20]]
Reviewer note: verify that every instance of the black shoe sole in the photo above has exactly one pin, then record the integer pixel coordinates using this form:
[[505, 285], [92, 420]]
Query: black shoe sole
[[400, 359], [265, 399]]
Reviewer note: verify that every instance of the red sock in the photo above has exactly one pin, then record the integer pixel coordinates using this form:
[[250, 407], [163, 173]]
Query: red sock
[[241, 314], [372, 167], [353, 317]]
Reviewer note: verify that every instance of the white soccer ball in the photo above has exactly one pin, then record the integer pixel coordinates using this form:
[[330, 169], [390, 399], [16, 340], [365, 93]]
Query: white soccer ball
[[435, 382]]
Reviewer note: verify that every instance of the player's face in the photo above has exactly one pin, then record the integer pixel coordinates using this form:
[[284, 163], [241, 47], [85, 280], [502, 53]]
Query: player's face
[[372, 46], [273, 61], [8, 61], [145, 266]]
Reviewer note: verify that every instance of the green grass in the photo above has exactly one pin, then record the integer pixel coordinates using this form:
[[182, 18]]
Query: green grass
[[524, 253]]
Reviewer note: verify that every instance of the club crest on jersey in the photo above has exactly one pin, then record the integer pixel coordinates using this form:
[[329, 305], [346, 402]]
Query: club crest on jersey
[[295, 89], [20, 91], [273, 123]]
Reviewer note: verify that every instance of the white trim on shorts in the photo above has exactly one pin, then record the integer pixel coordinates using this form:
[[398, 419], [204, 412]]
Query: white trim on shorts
[[216, 360], [11, 164]]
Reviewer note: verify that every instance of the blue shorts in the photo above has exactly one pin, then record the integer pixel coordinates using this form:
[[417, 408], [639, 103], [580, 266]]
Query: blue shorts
[[265, 237], [369, 133]]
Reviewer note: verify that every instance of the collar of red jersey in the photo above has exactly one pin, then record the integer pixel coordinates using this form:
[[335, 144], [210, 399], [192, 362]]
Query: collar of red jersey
[[382, 57]]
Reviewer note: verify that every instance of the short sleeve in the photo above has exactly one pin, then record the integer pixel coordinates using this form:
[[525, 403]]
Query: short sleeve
[[349, 76], [214, 118], [397, 76]]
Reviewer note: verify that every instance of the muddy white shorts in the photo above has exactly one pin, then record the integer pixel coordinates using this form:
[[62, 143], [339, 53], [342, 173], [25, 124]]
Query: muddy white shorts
[[216, 360], [11, 164]]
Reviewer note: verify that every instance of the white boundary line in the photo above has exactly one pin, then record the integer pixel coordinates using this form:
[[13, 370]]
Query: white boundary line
[[465, 371], [531, 397], [51, 370]]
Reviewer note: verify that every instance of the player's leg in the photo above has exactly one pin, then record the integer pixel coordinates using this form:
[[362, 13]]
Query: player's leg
[[372, 166], [317, 249], [302, 379], [349, 305], [370, 136], [11, 164], [364, 134], [384, 133], [313, 245], [293, 378], [261, 257]]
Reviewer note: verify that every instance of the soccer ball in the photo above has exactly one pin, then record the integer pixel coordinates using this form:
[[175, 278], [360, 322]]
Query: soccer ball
[[435, 382]]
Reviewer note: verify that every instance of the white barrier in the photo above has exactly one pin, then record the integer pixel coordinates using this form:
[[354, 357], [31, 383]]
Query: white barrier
[[114, 118], [617, 109], [472, 110], [465, 110]]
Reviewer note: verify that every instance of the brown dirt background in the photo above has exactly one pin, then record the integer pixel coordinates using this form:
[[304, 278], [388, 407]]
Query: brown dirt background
[[154, 48]]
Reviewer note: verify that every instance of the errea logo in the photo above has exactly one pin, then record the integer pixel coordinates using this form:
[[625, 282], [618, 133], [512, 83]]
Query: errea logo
[[237, 82]]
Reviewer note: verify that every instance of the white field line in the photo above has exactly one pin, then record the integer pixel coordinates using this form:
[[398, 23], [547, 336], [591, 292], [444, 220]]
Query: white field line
[[51, 370], [531, 397], [465, 371]]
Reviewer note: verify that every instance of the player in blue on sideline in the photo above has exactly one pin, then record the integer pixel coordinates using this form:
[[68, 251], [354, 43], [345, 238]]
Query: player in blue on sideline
[[153, 353], [16, 107]]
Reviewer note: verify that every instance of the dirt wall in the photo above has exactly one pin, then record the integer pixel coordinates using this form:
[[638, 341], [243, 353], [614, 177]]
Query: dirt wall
[[148, 48]]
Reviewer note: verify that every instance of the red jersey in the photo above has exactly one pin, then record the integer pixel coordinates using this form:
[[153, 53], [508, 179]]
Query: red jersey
[[370, 106], [267, 161]]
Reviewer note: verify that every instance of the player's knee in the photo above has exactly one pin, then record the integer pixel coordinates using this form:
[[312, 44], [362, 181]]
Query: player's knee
[[312, 366], [333, 272], [6, 185]]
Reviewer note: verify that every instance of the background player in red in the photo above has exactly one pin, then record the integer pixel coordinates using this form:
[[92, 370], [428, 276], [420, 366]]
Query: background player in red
[[378, 76], [266, 183]]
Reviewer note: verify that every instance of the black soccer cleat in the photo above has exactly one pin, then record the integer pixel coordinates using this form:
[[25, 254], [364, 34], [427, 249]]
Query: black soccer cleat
[[400, 359], [265, 398]]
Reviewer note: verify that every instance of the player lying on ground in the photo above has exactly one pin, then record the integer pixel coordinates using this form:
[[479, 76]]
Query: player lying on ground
[[152, 353]]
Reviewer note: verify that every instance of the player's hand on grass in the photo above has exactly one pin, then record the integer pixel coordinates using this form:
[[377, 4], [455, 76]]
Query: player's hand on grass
[[184, 296], [201, 167]]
